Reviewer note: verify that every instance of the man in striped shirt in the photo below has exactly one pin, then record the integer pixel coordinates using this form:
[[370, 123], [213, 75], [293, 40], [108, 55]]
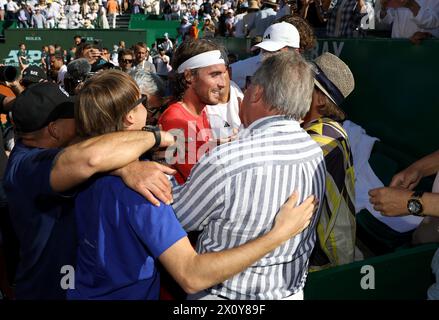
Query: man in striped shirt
[[233, 193]]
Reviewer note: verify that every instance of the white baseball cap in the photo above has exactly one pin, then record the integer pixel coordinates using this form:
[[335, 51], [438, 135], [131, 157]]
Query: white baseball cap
[[278, 36]]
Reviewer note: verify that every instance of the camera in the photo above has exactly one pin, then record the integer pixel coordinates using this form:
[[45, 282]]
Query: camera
[[8, 73]]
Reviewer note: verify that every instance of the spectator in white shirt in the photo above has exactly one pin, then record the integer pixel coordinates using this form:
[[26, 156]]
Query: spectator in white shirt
[[92, 16], [2, 9], [50, 16], [167, 44], [230, 22], [57, 65], [183, 8], [411, 17], [75, 7], [24, 16], [38, 20], [162, 64], [61, 21], [175, 10], [11, 10]]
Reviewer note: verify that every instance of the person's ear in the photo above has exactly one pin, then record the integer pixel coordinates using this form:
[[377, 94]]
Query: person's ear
[[128, 120], [53, 129], [188, 76], [256, 94]]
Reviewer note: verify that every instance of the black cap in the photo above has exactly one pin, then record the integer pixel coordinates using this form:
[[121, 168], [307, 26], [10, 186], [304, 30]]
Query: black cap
[[40, 104], [34, 74]]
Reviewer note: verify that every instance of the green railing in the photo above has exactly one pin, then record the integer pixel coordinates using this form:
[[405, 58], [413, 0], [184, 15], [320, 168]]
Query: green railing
[[395, 96], [155, 28], [7, 25]]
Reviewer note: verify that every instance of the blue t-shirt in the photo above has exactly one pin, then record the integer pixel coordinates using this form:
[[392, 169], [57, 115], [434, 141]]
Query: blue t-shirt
[[120, 236], [44, 223]]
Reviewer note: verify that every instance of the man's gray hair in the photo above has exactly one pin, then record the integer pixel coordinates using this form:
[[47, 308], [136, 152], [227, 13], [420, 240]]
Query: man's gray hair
[[288, 83], [149, 83]]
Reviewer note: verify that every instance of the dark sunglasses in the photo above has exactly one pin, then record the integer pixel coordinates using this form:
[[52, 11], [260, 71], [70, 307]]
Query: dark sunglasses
[[144, 101], [127, 60]]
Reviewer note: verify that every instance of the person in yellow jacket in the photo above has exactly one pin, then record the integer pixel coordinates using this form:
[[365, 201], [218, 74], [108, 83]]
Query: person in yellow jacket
[[336, 228]]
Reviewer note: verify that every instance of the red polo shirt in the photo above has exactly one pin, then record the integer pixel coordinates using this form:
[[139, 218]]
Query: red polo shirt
[[197, 132]]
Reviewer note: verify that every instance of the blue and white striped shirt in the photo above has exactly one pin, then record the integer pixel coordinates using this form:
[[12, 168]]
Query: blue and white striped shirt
[[234, 193]]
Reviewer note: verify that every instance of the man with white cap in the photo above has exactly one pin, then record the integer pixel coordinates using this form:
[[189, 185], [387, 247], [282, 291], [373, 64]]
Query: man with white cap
[[278, 37]]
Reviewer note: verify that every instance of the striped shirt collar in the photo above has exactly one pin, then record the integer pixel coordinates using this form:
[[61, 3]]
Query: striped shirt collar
[[278, 123]]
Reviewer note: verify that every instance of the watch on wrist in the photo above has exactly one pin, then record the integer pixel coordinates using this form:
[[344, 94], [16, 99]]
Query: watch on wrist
[[157, 135], [414, 204]]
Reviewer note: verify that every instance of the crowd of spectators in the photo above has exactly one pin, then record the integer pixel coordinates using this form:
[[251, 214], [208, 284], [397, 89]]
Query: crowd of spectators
[[236, 18]]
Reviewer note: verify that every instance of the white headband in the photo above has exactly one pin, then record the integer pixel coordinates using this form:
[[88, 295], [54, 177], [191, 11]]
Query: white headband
[[202, 60]]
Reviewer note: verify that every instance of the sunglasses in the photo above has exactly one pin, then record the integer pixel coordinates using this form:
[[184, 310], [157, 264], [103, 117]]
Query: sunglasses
[[127, 60], [144, 101]]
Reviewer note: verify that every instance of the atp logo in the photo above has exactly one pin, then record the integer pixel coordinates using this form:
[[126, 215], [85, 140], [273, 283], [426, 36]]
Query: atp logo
[[34, 57]]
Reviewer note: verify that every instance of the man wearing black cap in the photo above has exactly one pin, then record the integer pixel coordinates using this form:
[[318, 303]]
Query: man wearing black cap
[[40, 176], [31, 75]]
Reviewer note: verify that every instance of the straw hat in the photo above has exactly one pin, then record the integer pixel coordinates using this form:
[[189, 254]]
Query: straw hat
[[253, 4], [339, 75]]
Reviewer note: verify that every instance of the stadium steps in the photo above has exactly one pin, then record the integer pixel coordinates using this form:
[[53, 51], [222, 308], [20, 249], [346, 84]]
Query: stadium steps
[[123, 21]]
